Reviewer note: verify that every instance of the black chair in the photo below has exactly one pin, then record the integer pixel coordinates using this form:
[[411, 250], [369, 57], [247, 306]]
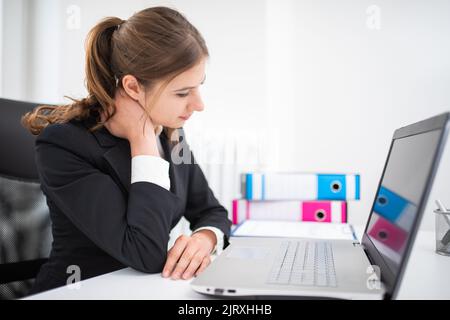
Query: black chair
[[25, 232]]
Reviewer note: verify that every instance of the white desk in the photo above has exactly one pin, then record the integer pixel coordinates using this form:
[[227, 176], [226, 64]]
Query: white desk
[[426, 277]]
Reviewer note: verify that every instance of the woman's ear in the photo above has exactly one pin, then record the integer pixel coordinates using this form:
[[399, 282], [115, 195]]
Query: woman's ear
[[132, 87]]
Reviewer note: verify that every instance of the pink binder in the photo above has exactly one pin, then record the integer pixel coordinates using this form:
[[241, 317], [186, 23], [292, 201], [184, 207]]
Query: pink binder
[[389, 234], [322, 211], [319, 211]]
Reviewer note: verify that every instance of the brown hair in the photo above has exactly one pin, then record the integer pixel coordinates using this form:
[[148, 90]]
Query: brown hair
[[154, 44]]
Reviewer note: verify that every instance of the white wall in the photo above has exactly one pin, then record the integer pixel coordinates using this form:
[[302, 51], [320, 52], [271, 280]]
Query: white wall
[[353, 86], [46, 57], [316, 82], [14, 48]]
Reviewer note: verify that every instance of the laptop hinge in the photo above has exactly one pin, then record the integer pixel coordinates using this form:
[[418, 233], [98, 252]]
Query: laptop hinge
[[356, 244]]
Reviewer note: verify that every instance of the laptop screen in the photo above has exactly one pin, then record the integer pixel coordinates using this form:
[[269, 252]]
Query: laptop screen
[[398, 203]]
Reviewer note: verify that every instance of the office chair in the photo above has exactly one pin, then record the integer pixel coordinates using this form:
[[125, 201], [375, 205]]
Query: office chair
[[25, 234]]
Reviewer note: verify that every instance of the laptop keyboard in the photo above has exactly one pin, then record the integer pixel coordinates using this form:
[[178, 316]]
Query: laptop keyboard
[[304, 263]]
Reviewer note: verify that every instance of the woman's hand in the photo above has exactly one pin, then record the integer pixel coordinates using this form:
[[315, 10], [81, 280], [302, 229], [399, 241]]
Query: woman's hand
[[131, 122], [189, 256]]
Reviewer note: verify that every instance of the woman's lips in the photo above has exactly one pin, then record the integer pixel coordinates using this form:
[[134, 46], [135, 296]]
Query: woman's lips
[[185, 118]]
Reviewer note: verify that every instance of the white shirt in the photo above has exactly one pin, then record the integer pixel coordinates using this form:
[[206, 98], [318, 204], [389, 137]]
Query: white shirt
[[145, 168]]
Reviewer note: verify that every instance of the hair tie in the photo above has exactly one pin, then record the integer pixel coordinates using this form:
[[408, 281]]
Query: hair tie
[[118, 26]]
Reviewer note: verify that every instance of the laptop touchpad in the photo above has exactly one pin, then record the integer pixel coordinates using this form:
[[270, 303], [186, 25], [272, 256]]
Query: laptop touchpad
[[245, 253]]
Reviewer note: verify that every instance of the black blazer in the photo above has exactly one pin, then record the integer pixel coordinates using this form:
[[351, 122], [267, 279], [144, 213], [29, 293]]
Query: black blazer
[[100, 221]]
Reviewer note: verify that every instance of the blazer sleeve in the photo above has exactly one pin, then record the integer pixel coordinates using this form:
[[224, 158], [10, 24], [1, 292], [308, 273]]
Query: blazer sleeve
[[133, 230], [202, 207]]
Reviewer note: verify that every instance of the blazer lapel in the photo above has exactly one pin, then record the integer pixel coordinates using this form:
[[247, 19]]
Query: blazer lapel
[[174, 170], [117, 155], [119, 158]]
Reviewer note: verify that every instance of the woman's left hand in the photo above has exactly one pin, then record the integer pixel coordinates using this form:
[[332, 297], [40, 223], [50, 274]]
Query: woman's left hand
[[190, 255]]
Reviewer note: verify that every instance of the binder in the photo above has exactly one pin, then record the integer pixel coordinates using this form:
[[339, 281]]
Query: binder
[[300, 186], [314, 211], [388, 234], [395, 208]]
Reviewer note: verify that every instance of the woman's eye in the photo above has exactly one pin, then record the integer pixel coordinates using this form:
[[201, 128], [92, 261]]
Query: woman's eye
[[182, 95]]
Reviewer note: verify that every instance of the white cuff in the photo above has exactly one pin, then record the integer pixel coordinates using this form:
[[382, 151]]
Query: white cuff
[[219, 238], [150, 169]]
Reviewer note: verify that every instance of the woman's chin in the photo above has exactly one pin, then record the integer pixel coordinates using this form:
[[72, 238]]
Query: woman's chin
[[177, 125], [180, 122]]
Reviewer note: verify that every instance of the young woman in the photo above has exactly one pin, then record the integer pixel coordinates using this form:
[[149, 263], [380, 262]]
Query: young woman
[[114, 166]]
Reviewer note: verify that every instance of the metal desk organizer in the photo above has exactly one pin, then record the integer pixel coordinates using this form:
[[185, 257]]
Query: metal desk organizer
[[442, 232]]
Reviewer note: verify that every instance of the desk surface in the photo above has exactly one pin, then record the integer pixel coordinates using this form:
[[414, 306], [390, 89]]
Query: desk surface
[[427, 277]]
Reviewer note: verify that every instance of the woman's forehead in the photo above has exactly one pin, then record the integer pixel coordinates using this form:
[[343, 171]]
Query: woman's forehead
[[189, 78]]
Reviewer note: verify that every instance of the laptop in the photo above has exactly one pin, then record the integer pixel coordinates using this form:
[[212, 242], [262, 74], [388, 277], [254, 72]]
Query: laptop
[[274, 268]]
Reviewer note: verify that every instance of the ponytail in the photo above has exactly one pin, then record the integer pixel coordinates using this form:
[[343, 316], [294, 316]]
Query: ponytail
[[100, 83], [100, 78]]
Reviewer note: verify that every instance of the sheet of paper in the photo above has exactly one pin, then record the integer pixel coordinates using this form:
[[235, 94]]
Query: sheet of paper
[[316, 230]]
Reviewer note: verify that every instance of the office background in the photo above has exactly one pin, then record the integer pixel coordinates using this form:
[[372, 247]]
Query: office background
[[315, 86]]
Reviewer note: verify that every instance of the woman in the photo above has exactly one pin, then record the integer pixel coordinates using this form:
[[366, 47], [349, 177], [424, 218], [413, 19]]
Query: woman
[[110, 164]]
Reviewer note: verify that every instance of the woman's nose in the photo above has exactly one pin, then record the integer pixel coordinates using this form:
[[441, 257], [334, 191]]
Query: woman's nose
[[197, 103]]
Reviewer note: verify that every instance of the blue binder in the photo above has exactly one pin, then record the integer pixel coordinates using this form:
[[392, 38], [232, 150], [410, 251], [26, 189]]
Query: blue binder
[[300, 186]]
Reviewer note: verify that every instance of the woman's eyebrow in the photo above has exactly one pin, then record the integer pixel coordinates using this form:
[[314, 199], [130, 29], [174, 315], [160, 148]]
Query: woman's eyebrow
[[188, 88]]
